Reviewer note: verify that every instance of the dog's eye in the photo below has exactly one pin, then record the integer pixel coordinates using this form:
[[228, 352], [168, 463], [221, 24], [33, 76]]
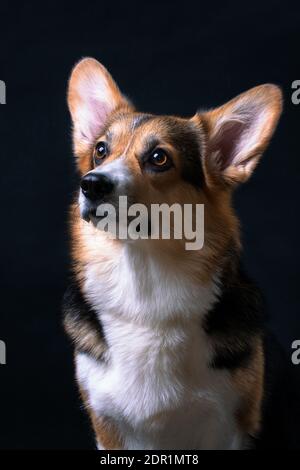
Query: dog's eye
[[159, 158], [100, 152]]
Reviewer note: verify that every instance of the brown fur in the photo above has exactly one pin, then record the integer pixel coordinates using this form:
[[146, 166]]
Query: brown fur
[[84, 336], [148, 189], [174, 134], [249, 383]]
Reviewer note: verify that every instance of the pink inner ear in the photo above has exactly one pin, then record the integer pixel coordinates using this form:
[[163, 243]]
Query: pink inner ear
[[229, 140], [238, 134], [98, 113], [91, 117], [240, 130], [95, 101]]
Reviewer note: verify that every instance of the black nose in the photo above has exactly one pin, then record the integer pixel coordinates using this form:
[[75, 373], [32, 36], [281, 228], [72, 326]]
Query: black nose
[[95, 185]]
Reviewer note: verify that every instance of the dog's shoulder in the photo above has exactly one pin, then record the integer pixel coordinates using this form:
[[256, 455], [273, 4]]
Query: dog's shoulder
[[81, 322], [236, 320]]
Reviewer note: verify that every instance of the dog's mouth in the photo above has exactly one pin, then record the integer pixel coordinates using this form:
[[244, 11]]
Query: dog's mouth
[[87, 214], [93, 214], [90, 215]]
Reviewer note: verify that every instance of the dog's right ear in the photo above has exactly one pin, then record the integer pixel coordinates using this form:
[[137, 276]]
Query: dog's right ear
[[238, 133], [92, 96]]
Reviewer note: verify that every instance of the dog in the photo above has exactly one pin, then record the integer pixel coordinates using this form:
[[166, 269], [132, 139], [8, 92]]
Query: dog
[[169, 343]]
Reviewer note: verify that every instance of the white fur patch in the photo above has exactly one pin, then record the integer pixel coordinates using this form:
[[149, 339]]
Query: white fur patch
[[156, 385], [118, 171], [135, 285]]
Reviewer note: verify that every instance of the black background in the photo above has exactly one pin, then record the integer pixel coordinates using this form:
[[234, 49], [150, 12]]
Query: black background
[[168, 57]]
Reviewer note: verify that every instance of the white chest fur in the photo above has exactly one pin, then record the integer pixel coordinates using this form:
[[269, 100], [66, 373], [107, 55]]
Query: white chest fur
[[159, 392], [156, 384]]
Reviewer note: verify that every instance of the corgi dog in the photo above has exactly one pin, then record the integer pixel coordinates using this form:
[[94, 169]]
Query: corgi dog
[[169, 342]]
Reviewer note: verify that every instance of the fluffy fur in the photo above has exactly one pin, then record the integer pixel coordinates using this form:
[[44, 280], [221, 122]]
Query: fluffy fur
[[169, 342]]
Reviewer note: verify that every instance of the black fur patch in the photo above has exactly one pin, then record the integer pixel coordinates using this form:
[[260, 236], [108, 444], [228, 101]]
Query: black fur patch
[[235, 321], [186, 140], [233, 358], [81, 321]]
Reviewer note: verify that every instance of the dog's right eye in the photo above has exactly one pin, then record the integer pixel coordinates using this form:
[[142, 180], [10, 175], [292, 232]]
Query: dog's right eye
[[100, 152]]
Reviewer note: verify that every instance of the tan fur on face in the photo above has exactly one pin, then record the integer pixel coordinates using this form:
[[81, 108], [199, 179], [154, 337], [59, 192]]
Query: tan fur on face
[[167, 187], [231, 140]]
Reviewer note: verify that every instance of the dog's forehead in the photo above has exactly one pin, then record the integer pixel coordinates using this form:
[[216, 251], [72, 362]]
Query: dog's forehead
[[127, 126], [124, 126]]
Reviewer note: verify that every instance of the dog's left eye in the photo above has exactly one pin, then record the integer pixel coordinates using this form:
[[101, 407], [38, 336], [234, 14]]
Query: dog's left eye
[[159, 158], [100, 152]]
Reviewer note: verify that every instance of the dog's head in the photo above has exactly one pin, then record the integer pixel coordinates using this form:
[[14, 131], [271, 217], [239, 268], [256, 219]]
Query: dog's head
[[166, 159]]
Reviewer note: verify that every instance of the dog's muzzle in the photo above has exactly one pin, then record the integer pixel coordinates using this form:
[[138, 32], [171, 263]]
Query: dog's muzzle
[[95, 186]]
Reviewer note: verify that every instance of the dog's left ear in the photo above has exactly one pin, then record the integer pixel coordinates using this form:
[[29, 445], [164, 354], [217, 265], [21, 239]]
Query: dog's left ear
[[238, 133], [92, 96]]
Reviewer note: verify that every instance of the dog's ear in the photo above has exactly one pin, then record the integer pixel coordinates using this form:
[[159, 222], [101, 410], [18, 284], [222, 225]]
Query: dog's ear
[[92, 96], [238, 133]]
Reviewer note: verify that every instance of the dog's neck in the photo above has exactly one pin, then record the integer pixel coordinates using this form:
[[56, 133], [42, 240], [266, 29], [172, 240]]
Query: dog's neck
[[149, 286]]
